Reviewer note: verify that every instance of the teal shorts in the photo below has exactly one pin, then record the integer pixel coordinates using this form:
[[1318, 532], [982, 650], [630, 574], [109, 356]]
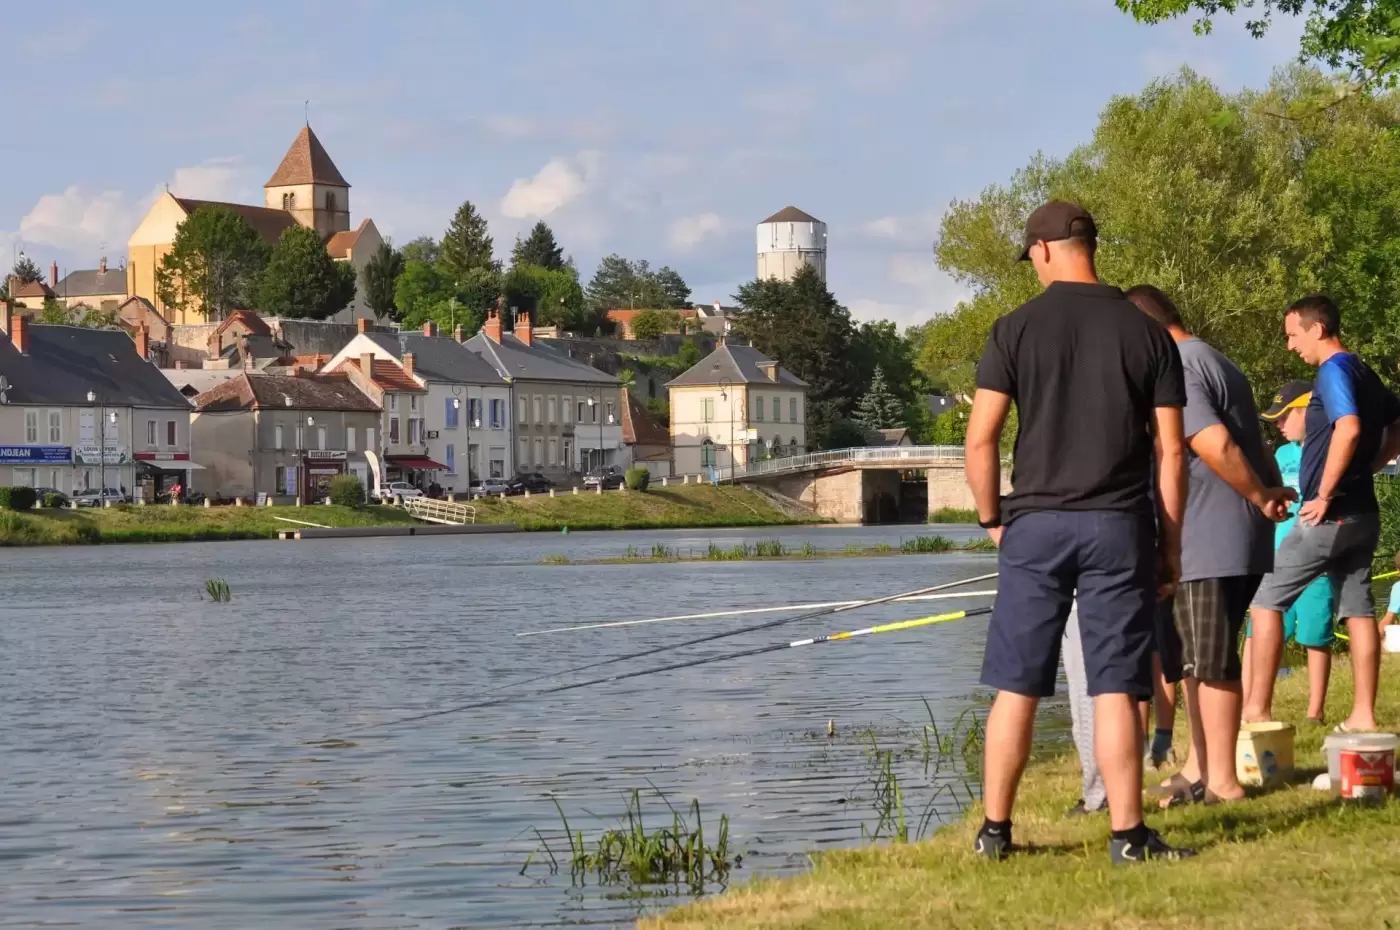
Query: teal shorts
[[1309, 621]]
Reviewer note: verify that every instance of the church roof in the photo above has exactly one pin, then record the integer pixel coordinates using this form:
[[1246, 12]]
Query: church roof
[[340, 244], [306, 162], [266, 222]]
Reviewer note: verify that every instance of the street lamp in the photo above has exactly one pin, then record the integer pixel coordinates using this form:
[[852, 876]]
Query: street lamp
[[597, 407], [101, 447], [725, 386]]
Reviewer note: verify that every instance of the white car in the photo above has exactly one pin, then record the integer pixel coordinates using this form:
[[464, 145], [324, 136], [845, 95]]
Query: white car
[[398, 489], [90, 498], [490, 487]]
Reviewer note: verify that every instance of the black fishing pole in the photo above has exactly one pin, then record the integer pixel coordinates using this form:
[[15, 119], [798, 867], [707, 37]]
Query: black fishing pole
[[754, 628], [623, 676]]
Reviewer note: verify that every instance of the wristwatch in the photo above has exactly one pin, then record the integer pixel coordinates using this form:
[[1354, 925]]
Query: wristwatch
[[991, 524]]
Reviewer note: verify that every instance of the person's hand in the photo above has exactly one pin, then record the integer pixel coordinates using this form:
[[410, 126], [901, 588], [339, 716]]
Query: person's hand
[[1168, 574], [996, 533], [1313, 512], [1275, 503]]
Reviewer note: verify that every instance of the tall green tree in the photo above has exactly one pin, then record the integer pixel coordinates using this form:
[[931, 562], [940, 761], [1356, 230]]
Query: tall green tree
[[26, 270], [538, 249], [621, 284], [879, 408], [301, 279], [802, 325], [423, 293], [423, 249], [467, 244], [377, 280], [1360, 37], [215, 264], [652, 324], [879, 346]]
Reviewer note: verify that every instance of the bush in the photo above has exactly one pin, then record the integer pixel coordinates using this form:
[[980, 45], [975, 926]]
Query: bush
[[347, 491], [637, 478], [17, 498], [54, 500]]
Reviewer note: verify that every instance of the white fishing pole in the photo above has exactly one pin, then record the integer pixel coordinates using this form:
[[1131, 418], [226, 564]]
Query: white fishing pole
[[713, 615]]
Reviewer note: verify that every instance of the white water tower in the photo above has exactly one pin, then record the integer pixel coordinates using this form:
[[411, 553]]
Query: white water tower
[[789, 239]]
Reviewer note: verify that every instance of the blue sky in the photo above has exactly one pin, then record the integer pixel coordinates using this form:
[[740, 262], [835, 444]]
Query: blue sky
[[658, 129]]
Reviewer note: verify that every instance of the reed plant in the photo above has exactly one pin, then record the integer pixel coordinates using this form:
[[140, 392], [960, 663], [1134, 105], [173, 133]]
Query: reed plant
[[218, 590]]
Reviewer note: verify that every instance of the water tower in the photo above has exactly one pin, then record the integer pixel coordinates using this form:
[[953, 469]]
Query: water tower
[[789, 239]]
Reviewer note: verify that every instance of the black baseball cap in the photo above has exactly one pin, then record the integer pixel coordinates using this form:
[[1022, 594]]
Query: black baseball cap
[[1057, 220], [1292, 395]]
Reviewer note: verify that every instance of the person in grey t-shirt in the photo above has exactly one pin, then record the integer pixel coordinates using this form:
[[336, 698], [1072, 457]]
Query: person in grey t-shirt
[[1234, 496]]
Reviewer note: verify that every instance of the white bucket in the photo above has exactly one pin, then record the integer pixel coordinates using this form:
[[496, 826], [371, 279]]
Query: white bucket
[[1392, 638]]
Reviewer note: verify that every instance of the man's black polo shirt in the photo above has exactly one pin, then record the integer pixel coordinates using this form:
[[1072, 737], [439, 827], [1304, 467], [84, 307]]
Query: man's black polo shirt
[[1086, 369]]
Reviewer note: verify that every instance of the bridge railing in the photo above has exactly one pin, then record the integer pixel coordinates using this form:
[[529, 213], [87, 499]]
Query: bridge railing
[[916, 456]]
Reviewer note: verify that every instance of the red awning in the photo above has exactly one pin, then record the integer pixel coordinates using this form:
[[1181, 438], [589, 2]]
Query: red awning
[[415, 462]]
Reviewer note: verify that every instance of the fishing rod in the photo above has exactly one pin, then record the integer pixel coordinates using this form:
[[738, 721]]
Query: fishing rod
[[623, 676], [757, 627], [713, 615]]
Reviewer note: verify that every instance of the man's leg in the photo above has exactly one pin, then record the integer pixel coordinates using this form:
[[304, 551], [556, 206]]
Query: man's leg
[[1008, 747], [1301, 558], [1311, 618], [1164, 705], [1365, 670], [1219, 703], [1319, 676], [1117, 740], [1246, 667], [1350, 572], [1266, 652]]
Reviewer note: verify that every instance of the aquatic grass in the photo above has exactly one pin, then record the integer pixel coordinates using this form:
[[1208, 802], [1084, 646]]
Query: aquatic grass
[[953, 515], [631, 855], [662, 551], [808, 551], [770, 549], [218, 590], [926, 544], [557, 559]]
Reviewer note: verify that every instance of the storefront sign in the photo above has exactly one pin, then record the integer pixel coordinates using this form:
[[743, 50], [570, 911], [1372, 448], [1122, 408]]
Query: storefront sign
[[159, 456], [333, 454], [88, 455], [36, 455]]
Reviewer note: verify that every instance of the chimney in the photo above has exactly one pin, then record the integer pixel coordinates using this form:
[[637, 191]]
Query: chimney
[[143, 341], [523, 330], [408, 364], [102, 265], [457, 333], [367, 364], [53, 274], [430, 328], [492, 326], [719, 309], [362, 325], [19, 333]]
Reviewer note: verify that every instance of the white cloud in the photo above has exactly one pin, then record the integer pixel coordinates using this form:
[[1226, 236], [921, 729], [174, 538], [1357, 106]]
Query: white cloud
[[557, 184], [923, 291], [689, 231], [216, 179], [920, 227]]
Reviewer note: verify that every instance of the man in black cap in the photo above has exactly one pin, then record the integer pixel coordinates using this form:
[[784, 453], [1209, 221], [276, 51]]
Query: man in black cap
[[1099, 391]]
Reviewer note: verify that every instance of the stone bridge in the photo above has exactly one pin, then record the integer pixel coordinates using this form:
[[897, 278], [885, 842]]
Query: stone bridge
[[866, 485]]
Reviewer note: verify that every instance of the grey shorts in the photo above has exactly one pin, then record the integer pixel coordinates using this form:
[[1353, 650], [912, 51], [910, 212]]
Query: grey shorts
[[1342, 550]]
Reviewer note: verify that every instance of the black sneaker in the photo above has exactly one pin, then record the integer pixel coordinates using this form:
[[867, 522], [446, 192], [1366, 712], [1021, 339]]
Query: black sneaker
[[1124, 851], [991, 845]]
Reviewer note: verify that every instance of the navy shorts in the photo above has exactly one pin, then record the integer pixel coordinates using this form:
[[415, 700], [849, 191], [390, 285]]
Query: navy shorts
[[1048, 559]]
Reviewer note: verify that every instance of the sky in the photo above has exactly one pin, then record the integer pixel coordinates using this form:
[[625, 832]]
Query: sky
[[662, 130]]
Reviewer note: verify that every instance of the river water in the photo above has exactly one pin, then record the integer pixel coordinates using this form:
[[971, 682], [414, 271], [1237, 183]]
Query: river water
[[173, 762]]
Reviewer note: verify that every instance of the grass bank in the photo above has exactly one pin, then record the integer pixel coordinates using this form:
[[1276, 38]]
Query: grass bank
[[161, 523], [1293, 857], [685, 507], [775, 549], [953, 515]]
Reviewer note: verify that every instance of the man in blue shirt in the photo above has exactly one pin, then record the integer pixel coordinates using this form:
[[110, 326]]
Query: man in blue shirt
[[1352, 432]]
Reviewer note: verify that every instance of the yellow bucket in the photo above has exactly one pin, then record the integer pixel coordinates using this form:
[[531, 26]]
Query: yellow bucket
[[1264, 754]]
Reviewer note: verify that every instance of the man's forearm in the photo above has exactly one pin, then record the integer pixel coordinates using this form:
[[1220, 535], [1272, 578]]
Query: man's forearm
[[983, 468], [1223, 456], [1171, 498], [1346, 434]]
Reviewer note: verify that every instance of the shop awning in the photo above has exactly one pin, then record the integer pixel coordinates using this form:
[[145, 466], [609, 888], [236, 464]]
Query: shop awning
[[415, 462], [170, 464]]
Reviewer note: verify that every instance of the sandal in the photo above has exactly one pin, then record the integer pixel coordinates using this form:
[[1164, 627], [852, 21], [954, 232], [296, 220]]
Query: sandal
[[1193, 793], [1344, 728], [1174, 785]]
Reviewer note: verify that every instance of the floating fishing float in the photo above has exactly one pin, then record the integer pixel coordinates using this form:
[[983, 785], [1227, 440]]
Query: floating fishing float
[[713, 615], [895, 627]]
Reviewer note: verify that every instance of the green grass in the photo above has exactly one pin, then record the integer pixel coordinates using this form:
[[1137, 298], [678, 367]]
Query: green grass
[[953, 515], [685, 507], [775, 550], [1294, 857], [161, 523]]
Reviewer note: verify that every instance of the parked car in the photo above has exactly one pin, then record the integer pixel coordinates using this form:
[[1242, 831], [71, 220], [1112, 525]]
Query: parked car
[[41, 493], [398, 489], [490, 487], [610, 478], [91, 498], [531, 481]]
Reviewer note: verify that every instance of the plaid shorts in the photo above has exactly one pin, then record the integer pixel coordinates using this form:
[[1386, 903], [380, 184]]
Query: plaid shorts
[[1202, 641]]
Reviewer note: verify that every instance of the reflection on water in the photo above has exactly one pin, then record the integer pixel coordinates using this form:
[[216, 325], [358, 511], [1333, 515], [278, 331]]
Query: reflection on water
[[171, 762]]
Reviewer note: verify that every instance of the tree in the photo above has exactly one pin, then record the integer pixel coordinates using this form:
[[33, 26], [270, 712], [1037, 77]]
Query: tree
[[467, 244], [622, 284], [423, 249], [214, 265], [801, 324], [302, 280], [652, 324], [879, 408], [55, 313], [1360, 37], [26, 270], [538, 249], [423, 293], [552, 297], [377, 281], [688, 355], [879, 346]]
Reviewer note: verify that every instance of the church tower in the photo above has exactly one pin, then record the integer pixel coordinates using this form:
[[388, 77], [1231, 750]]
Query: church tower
[[309, 186]]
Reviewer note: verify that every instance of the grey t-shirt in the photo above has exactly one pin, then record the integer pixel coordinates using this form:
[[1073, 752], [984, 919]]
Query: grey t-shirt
[[1224, 534]]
